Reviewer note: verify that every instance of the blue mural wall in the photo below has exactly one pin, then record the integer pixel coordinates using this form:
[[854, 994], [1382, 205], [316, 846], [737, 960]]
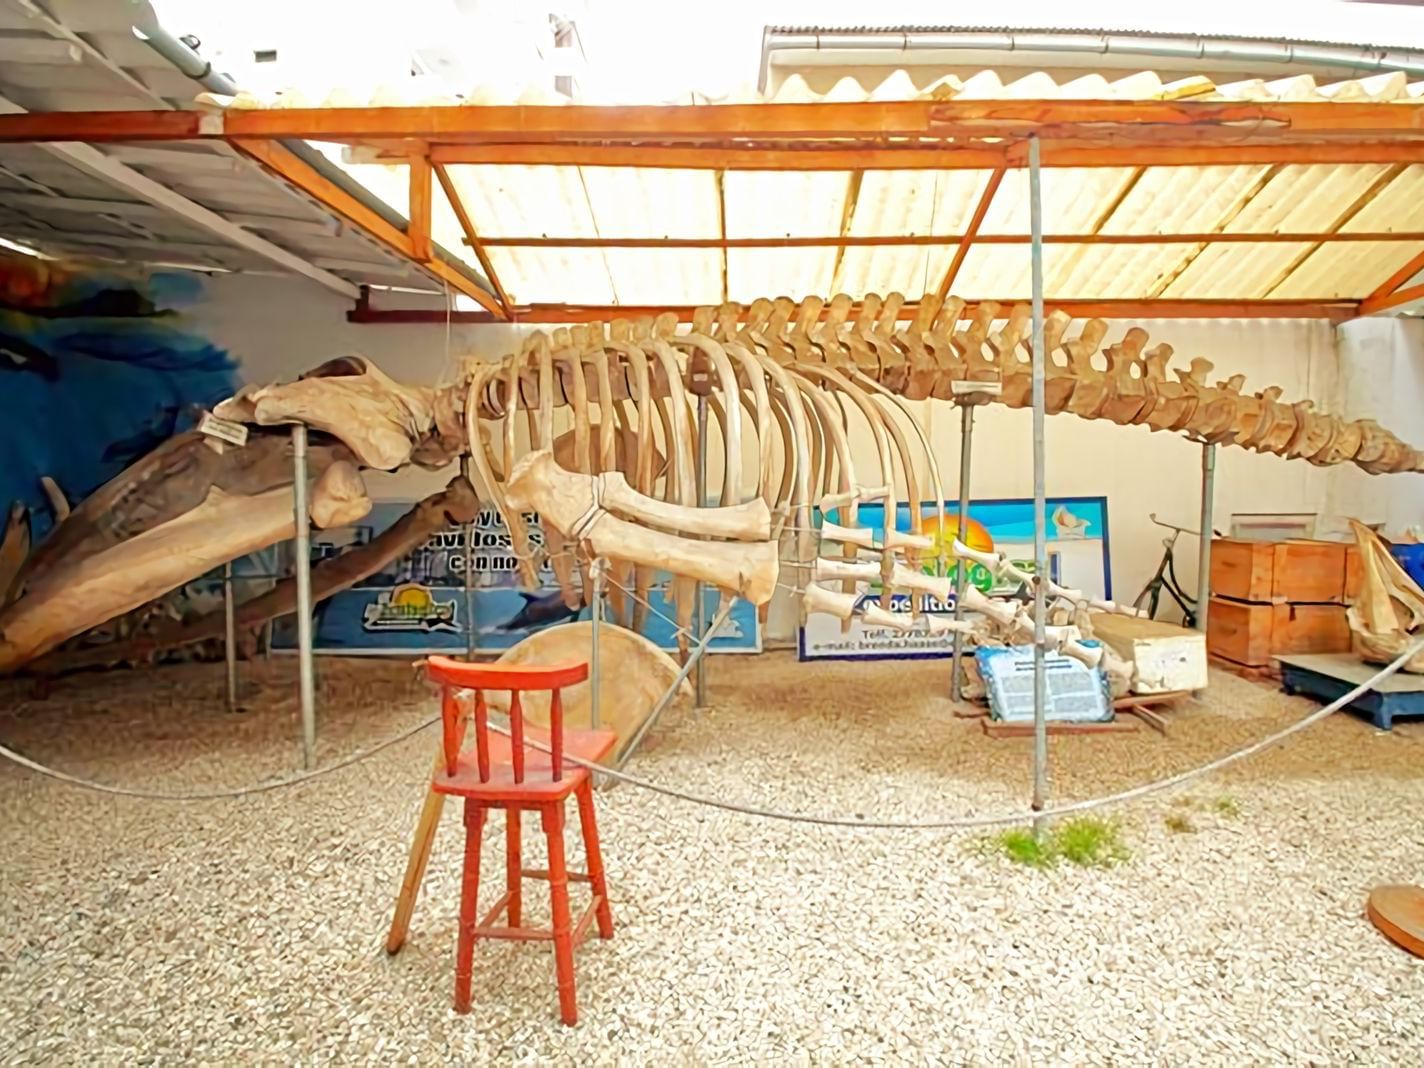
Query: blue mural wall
[[97, 367]]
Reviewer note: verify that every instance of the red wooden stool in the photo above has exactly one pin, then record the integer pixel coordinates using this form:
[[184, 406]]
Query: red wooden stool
[[503, 773]]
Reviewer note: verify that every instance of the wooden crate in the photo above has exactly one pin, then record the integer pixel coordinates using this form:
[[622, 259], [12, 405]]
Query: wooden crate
[[1252, 634], [1169, 658], [1277, 571]]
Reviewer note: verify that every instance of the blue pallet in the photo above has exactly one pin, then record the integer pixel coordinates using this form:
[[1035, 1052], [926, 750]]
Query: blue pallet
[[1329, 676]]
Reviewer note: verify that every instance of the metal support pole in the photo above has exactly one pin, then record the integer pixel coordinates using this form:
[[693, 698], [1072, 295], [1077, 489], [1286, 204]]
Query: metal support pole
[[304, 596], [1204, 557], [693, 659], [1040, 507], [469, 574], [700, 616], [230, 637], [599, 568], [961, 568]]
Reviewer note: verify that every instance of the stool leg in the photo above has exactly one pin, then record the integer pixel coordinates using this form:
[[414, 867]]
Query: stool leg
[[514, 878], [469, 898], [553, 818], [591, 847]]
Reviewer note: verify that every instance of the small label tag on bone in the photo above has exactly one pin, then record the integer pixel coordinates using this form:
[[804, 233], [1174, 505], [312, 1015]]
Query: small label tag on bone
[[961, 387], [223, 429]]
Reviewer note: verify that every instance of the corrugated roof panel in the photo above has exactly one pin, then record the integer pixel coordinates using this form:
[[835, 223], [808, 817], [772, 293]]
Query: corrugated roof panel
[[644, 202], [1346, 270], [1182, 200], [907, 269], [916, 202], [554, 276], [1235, 271], [1306, 199], [1112, 272], [1073, 199], [519, 201], [1001, 272], [785, 203], [1398, 207], [774, 272], [665, 276]]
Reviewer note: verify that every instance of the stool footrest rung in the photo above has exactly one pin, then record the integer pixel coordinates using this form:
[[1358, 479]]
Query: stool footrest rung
[[499, 906], [543, 873], [537, 934]]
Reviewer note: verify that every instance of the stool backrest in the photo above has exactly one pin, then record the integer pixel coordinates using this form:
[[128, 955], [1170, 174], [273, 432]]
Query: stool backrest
[[453, 675]]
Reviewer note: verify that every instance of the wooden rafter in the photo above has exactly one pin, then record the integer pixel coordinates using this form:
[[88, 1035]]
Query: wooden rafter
[[853, 183], [418, 227], [1334, 310], [874, 240], [980, 210], [472, 238], [287, 165], [1393, 282], [1399, 297]]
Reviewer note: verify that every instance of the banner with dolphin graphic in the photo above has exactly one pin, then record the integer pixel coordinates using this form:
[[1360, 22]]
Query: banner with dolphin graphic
[[421, 602]]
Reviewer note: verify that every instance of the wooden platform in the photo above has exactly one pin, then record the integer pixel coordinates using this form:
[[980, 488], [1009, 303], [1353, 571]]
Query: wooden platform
[[1328, 676], [1254, 672]]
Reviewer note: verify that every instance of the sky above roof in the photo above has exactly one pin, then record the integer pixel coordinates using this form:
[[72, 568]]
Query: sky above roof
[[637, 51]]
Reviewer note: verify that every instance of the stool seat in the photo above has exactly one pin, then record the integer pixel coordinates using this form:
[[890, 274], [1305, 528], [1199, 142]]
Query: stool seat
[[538, 786]]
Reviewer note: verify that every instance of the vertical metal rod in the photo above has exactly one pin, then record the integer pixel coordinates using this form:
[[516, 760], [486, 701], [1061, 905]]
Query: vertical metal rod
[[230, 637], [599, 566], [700, 616], [1208, 494], [469, 573], [304, 597], [1040, 508], [961, 568]]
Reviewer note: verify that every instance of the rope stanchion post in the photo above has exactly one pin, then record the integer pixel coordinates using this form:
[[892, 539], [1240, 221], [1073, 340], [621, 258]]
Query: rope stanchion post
[[700, 609], [305, 668], [1040, 503], [961, 570], [229, 638]]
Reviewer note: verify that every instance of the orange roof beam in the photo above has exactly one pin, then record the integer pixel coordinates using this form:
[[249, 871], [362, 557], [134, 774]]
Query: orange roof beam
[[874, 240], [975, 221], [282, 162], [1333, 310], [452, 196], [1380, 298]]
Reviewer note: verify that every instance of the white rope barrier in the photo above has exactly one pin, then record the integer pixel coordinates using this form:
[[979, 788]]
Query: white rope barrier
[[1001, 819]]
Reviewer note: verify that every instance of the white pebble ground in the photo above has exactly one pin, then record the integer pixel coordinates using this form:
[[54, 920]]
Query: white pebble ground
[[252, 930]]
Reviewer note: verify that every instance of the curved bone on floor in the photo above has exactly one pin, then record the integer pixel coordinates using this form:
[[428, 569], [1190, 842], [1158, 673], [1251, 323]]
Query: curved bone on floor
[[339, 496], [828, 602], [827, 569], [875, 616], [379, 419], [566, 501], [14, 547], [70, 600], [750, 521], [635, 674], [862, 536]]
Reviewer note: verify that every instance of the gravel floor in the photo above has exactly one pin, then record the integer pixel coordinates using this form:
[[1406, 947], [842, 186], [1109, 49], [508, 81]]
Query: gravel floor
[[252, 930]]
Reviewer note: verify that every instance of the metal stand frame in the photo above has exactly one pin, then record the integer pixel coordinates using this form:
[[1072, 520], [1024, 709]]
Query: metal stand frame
[[699, 618], [307, 678], [961, 573], [229, 637], [1208, 494]]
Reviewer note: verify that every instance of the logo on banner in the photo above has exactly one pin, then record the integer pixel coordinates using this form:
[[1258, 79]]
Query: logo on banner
[[410, 607]]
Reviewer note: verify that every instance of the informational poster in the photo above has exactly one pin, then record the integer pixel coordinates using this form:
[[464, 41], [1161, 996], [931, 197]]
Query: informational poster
[[1077, 557], [421, 603], [1076, 692]]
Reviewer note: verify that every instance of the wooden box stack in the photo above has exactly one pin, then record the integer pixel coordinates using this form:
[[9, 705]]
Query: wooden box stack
[[1275, 598]]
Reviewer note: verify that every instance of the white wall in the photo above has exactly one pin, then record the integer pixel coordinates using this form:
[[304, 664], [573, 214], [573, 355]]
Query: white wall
[[279, 327]]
